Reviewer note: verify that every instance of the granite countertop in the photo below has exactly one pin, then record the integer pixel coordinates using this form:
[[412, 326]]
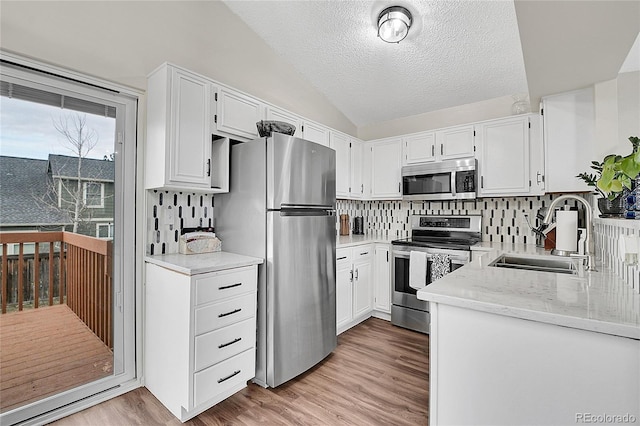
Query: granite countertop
[[594, 301], [192, 264], [356, 240]]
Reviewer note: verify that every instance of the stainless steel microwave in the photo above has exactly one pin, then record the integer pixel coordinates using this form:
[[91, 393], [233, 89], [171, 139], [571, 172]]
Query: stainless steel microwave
[[443, 180]]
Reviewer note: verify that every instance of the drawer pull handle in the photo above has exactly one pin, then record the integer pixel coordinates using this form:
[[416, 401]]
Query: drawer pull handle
[[229, 286], [224, 345], [229, 313], [343, 257], [362, 254], [235, 373]]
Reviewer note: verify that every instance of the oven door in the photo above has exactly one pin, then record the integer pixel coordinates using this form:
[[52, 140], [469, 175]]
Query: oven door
[[403, 294]]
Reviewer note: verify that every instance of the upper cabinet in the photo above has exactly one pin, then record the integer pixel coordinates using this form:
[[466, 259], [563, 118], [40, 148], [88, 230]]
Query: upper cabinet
[[444, 144], [275, 113], [349, 166], [179, 141], [503, 157], [419, 148], [569, 139], [455, 142], [237, 113], [386, 174], [315, 133]]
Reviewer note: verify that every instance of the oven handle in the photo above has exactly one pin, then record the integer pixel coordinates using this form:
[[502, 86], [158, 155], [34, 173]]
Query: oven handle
[[406, 254], [453, 184]]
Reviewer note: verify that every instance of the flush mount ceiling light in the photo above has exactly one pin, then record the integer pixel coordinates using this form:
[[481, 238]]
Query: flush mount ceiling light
[[393, 24]]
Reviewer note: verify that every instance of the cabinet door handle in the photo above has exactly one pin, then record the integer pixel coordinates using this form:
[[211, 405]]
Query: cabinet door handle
[[235, 373], [363, 253], [229, 286], [351, 279], [209, 167], [226, 314], [481, 181], [362, 188], [399, 187], [356, 274], [341, 258], [224, 345], [441, 149], [433, 150]]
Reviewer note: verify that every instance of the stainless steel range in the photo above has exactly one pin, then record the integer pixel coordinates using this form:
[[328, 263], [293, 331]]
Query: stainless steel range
[[451, 235]]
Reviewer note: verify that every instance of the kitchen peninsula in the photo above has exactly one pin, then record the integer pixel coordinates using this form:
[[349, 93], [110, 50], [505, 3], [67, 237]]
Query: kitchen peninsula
[[529, 347]]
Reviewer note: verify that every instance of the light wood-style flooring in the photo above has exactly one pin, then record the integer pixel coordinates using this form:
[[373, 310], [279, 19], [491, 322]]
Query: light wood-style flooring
[[45, 351], [378, 375]]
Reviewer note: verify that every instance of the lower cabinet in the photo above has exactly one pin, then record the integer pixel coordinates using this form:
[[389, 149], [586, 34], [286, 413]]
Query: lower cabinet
[[200, 336], [382, 282], [363, 284], [354, 288]]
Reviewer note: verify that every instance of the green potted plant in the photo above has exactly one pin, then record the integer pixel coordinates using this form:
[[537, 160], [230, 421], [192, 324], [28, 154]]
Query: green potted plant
[[613, 178]]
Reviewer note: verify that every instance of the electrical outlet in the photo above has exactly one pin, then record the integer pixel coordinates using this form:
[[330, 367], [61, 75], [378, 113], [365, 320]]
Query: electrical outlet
[[169, 217]]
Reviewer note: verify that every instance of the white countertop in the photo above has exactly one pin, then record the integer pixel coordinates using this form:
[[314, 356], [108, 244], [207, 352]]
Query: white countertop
[[356, 240], [597, 301], [192, 264]]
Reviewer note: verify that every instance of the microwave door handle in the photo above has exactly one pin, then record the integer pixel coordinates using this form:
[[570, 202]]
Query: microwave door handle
[[453, 184]]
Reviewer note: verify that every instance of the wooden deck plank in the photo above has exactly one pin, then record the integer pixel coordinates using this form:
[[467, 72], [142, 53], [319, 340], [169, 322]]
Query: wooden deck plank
[[45, 351]]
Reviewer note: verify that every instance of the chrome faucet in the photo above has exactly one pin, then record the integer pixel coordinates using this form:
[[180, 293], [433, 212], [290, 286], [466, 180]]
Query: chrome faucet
[[589, 244]]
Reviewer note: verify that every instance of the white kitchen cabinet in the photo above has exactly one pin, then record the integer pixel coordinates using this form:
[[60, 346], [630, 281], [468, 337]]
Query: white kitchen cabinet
[[386, 164], [349, 166], [569, 139], [503, 151], [344, 293], [315, 133], [419, 148], [178, 146], [382, 281], [200, 336], [355, 172], [278, 114], [341, 144], [354, 286], [455, 142], [237, 113]]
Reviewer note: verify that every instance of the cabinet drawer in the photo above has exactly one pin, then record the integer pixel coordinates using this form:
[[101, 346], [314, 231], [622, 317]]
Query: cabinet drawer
[[224, 376], [217, 345], [362, 252], [343, 257], [223, 284], [218, 315]]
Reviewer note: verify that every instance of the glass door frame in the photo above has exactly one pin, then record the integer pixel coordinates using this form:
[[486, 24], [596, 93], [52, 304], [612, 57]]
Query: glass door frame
[[126, 259]]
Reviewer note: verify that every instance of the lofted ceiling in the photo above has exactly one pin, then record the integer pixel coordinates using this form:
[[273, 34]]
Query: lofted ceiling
[[457, 52]]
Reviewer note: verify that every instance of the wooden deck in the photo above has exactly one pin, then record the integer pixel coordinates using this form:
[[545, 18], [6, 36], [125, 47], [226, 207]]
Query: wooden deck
[[46, 351]]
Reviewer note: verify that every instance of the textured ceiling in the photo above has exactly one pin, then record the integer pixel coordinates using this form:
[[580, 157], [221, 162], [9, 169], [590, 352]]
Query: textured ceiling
[[457, 52]]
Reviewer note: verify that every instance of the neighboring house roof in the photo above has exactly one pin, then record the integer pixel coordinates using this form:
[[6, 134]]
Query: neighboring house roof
[[92, 169], [23, 181]]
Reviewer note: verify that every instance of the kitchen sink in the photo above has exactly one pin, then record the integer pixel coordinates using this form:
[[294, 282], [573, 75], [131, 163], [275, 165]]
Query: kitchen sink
[[542, 263]]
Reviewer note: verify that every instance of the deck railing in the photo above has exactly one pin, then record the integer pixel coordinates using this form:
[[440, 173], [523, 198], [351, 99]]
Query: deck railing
[[63, 268]]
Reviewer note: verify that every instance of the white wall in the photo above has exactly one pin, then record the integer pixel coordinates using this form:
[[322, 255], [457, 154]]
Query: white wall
[[628, 108], [478, 111], [123, 41]]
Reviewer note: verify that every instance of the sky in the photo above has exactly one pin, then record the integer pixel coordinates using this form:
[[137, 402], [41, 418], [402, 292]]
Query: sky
[[27, 130]]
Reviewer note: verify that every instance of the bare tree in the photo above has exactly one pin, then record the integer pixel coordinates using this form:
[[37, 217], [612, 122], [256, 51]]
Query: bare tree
[[80, 140], [65, 193]]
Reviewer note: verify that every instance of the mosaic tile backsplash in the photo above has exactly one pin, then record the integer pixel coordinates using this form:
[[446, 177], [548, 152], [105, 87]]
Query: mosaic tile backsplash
[[503, 219], [168, 212]]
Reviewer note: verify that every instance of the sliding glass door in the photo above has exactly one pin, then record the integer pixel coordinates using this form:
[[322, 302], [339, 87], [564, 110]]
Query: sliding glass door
[[67, 238]]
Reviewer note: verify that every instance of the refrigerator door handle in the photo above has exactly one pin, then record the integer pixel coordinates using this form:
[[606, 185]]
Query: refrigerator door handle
[[306, 206]]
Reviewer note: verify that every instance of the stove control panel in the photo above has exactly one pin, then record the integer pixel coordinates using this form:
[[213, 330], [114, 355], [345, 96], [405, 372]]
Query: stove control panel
[[467, 223]]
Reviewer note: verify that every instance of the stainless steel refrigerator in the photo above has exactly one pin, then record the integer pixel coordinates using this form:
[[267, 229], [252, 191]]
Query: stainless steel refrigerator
[[281, 207]]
